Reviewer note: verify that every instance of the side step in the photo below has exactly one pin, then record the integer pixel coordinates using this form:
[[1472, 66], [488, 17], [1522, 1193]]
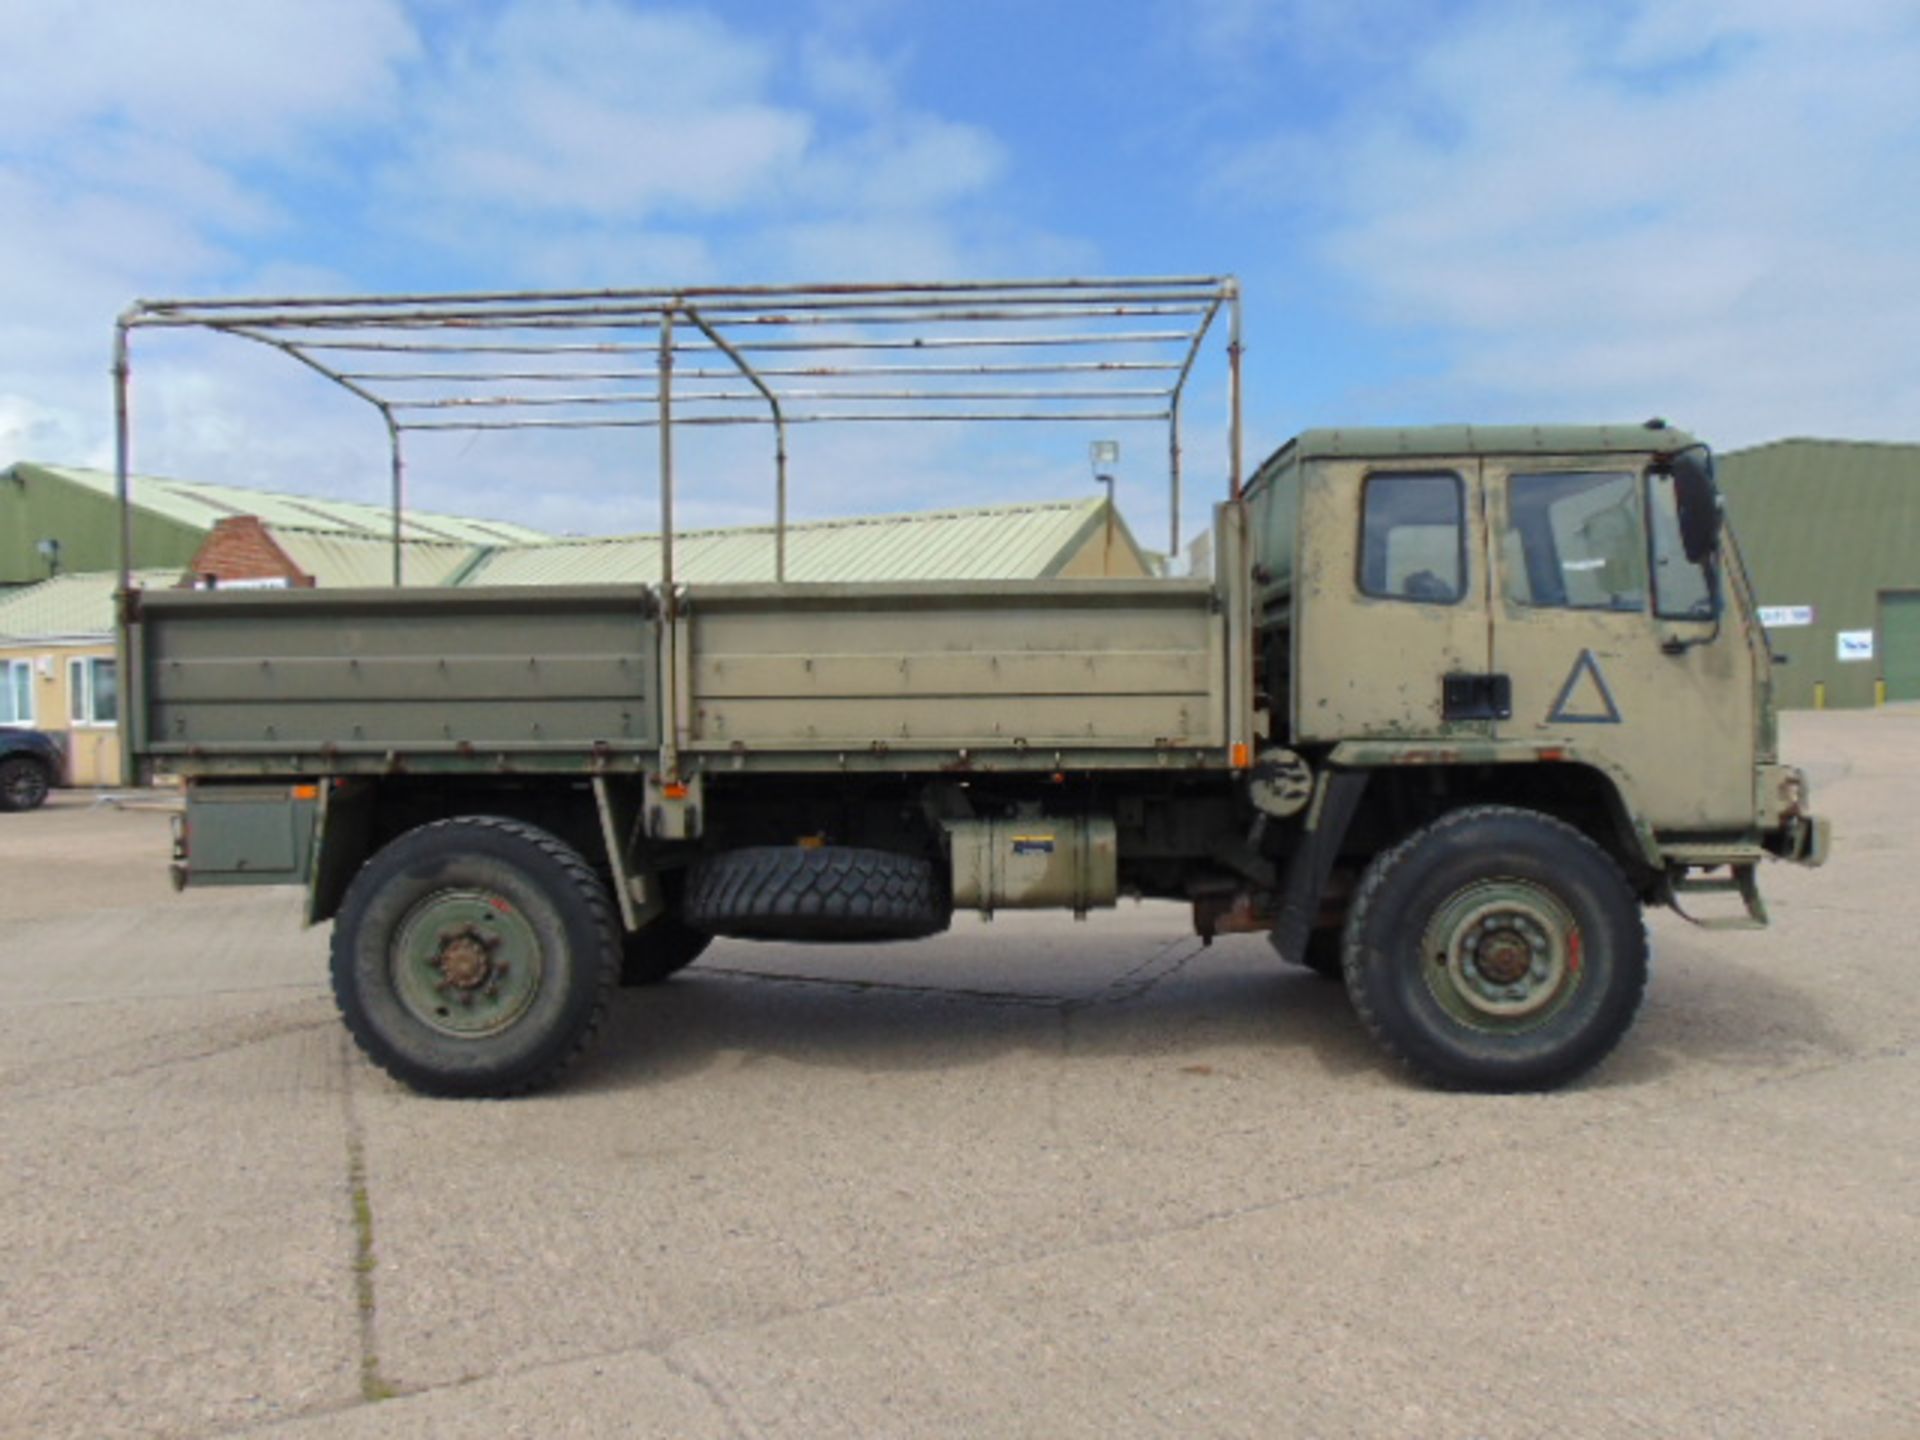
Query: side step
[[1739, 880]]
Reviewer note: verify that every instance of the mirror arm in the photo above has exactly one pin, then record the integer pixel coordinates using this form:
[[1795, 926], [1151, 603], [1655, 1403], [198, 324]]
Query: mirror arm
[[1679, 645]]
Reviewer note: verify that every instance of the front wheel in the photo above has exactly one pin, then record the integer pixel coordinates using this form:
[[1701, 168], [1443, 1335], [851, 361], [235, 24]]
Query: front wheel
[[1497, 949], [475, 957]]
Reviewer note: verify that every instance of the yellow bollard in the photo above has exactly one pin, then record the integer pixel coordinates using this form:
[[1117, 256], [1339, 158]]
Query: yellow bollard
[[1819, 694], [1879, 692]]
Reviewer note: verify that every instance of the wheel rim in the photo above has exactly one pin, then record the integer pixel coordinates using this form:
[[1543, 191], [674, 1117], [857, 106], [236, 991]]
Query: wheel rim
[[1503, 955], [24, 786], [465, 963]]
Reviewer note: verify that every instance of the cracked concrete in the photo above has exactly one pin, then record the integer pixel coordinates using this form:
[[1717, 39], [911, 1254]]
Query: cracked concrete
[[1031, 1178]]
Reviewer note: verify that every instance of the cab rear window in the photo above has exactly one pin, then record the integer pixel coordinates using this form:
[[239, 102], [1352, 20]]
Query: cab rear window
[[1413, 538]]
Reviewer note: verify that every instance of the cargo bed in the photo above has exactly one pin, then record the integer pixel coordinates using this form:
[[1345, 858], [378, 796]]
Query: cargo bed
[[926, 676]]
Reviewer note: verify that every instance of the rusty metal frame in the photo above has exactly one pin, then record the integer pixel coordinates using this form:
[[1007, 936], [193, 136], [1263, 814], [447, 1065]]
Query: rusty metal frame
[[814, 325]]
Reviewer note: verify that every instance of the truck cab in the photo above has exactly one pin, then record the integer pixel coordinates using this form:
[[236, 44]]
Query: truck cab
[[1564, 600]]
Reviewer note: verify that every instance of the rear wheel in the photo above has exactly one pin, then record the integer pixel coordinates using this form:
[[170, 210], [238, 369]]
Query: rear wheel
[[1497, 949], [474, 957], [24, 783]]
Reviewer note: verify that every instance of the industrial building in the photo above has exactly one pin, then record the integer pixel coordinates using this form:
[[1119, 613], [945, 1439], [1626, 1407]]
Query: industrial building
[[58, 666], [1039, 540], [1831, 535], [59, 518]]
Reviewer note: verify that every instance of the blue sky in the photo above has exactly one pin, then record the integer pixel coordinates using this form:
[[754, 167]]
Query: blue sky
[[1477, 210]]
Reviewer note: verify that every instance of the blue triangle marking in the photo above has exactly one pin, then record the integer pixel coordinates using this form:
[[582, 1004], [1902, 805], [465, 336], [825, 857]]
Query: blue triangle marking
[[1585, 667]]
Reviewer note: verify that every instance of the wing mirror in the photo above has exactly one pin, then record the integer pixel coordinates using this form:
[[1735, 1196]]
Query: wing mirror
[[1696, 500]]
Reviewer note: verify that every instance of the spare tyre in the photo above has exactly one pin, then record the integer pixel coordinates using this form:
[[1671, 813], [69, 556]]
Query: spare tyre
[[827, 892]]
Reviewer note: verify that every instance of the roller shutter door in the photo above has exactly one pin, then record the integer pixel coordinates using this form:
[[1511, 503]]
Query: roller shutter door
[[1900, 639]]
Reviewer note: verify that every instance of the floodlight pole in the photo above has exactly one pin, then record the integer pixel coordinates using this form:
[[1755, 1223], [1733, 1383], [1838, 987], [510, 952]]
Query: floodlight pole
[[122, 443]]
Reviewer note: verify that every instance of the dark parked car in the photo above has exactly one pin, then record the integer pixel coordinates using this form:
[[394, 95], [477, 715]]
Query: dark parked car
[[30, 765]]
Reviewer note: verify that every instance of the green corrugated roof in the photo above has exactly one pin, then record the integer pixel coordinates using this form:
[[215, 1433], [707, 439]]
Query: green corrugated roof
[[337, 561], [200, 504], [997, 542], [70, 607]]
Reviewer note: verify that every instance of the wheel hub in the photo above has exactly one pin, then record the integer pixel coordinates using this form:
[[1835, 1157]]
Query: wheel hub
[[1505, 954], [466, 958], [466, 963]]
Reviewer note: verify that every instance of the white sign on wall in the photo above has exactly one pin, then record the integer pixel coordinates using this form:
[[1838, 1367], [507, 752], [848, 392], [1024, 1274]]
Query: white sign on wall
[[1853, 644], [1785, 617]]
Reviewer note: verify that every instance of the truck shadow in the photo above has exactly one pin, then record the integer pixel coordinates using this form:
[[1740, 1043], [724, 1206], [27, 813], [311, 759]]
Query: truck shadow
[[666, 1033], [1707, 1012], [1261, 1017]]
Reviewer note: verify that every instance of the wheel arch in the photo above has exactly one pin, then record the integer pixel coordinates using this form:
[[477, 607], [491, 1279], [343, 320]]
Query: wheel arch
[[359, 817], [1410, 787]]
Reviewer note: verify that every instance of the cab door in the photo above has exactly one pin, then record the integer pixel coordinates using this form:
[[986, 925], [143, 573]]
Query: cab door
[[1391, 591], [1611, 639]]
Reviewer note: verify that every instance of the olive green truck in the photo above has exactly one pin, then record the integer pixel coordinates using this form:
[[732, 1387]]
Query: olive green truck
[[1456, 705]]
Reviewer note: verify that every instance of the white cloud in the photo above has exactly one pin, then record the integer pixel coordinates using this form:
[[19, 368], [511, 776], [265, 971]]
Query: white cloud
[[589, 109], [579, 128], [283, 146], [904, 162], [237, 78], [1697, 209]]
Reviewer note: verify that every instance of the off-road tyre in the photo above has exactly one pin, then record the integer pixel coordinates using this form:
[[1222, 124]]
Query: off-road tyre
[[24, 783], [831, 892], [530, 884], [1478, 884]]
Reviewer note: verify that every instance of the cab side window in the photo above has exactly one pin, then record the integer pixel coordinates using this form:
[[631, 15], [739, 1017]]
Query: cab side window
[[1682, 588], [1573, 541], [1413, 538]]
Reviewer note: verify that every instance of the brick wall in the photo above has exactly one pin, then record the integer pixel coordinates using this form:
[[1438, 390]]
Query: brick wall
[[241, 547]]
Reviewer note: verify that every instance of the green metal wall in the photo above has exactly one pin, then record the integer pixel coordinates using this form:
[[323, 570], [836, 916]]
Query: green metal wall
[[36, 504], [1900, 635], [1835, 526]]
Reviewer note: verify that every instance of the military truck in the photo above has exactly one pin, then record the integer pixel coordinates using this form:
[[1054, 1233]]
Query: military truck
[[1455, 707]]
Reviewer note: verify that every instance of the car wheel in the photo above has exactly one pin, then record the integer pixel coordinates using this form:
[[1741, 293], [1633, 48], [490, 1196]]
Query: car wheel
[[24, 783]]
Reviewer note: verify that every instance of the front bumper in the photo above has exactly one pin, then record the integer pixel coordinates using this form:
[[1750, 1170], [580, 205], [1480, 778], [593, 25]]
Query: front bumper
[[1789, 830], [1804, 839]]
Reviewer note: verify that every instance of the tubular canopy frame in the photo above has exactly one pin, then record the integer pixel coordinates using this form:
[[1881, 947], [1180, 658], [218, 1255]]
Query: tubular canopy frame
[[1085, 350]]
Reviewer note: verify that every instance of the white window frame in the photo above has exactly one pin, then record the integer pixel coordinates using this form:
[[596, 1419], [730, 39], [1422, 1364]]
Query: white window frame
[[82, 692], [13, 688]]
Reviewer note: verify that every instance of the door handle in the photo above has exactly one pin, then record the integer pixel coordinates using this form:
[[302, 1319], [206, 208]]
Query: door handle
[[1476, 697]]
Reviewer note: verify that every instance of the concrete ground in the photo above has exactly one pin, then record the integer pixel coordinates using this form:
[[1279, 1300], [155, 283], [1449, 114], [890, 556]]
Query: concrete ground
[[1033, 1178]]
